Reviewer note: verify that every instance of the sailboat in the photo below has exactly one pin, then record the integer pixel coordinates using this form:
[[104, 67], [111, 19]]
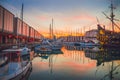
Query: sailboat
[[55, 44], [109, 38]]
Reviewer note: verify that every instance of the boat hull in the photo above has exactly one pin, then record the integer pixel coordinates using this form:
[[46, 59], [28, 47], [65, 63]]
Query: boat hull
[[20, 74], [108, 38]]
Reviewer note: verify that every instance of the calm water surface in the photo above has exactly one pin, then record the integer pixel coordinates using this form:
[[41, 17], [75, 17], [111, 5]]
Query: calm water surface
[[75, 63]]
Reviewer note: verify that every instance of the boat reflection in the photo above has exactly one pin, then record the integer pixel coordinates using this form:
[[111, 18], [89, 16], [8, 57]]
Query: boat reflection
[[97, 53], [106, 58], [49, 57], [76, 63], [77, 55], [103, 54]]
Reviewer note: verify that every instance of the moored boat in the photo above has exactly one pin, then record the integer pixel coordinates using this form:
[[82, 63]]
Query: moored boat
[[23, 51], [56, 47], [14, 71], [17, 67], [3, 61], [43, 49], [109, 38], [47, 47], [86, 44]]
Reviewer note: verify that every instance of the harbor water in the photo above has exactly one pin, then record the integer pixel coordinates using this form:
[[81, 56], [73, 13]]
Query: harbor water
[[71, 63], [76, 63]]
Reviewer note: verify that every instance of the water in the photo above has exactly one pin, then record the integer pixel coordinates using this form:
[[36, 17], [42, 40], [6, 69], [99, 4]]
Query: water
[[72, 63], [77, 63]]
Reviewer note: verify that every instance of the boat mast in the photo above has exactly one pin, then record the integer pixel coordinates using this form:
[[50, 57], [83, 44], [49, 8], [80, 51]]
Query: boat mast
[[21, 16], [50, 31], [22, 13], [111, 18], [52, 28], [22, 28], [112, 15]]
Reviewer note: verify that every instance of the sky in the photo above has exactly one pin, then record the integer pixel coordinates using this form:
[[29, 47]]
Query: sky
[[68, 15]]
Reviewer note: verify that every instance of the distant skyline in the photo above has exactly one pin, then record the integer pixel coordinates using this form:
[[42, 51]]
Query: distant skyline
[[68, 15]]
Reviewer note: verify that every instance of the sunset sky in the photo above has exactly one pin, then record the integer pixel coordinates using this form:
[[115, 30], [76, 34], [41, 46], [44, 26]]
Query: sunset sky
[[68, 15]]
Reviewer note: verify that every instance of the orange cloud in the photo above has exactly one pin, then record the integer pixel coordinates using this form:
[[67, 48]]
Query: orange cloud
[[43, 17], [85, 17], [65, 22]]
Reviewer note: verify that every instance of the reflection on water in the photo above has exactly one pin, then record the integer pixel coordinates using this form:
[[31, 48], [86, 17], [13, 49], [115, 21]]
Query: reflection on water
[[73, 63], [76, 63]]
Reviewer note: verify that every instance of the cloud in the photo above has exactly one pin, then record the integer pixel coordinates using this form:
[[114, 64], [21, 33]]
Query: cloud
[[86, 17], [43, 17], [70, 13]]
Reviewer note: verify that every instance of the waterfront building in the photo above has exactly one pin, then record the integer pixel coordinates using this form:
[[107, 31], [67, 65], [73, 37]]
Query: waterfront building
[[13, 30], [6, 26]]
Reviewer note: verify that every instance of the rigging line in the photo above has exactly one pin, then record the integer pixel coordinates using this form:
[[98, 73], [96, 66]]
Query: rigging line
[[113, 21], [116, 25], [106, 16]]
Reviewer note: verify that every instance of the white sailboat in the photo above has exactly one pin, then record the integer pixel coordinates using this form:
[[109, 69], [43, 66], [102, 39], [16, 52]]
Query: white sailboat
[[44, 47], [56, 45]]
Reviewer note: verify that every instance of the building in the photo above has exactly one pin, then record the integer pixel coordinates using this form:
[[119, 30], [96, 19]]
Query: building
[[6, 26], [13, 30]]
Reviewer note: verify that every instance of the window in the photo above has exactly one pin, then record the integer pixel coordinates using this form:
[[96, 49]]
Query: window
[[8, 21], [1, 19]]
